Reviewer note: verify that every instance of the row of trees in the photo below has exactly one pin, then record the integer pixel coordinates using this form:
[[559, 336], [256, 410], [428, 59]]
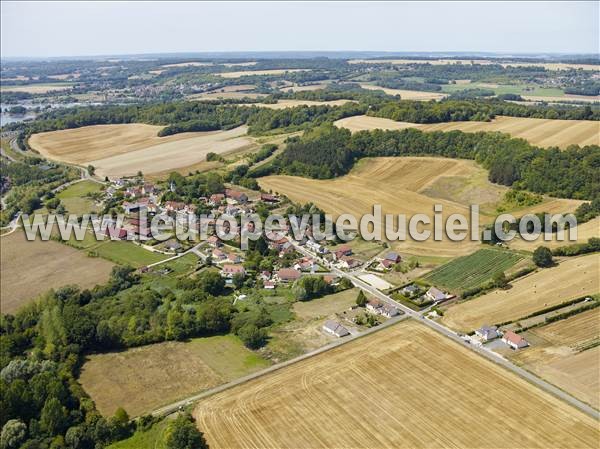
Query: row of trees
[[451, 110]]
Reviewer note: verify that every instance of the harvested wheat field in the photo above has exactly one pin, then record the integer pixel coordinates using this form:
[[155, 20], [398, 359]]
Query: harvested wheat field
[[541, 132], [572, 278], [403, 387], [31, 268], [237, 92], [305, 87], [394, 183], [584, 232], [258, 72], [37, 88], [189, 64], [118, 150], [573, 331], [559, 355], [142, 379], [399, 185], [407, 94]]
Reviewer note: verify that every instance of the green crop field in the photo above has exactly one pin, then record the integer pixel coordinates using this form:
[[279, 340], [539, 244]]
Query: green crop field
[[127, 253], [75, 200], [473, 270]]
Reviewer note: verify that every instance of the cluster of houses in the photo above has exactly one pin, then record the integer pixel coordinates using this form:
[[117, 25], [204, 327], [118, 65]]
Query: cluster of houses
[[433, 294], [388, 261], [379, 308], [510, 338], [341, 258]]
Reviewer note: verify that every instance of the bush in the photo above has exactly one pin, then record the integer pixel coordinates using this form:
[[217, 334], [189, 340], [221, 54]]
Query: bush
[[182, 433], [542, 257]]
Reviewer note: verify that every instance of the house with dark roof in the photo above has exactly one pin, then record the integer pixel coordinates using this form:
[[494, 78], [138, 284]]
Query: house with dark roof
[[237, 196], [335, 328], [393, 257], [487, 333]]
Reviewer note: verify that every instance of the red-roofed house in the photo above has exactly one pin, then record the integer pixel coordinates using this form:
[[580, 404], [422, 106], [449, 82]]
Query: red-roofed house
[[216, 199], [231, 270], [288, 274], [269, 198], [343, 250], [236, 195], [513, 340]]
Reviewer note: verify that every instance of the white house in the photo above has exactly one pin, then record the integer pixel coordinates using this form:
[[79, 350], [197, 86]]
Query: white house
[[487, 333], [513, 340]]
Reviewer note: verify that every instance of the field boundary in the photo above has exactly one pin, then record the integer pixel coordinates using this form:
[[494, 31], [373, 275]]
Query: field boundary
[[176, 406]]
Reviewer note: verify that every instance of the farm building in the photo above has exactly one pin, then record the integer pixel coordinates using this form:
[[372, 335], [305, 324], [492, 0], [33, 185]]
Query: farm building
[[335, 328], [487, 333], [514, 340]]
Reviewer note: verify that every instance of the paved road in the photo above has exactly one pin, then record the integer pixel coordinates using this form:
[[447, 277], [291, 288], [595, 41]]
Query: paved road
[[490, 355], [176, 406]]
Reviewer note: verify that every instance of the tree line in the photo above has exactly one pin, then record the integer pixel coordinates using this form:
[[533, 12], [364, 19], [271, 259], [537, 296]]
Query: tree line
[[327, 152]]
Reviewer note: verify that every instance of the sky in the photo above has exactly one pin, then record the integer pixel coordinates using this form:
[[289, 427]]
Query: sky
[[46, 29]]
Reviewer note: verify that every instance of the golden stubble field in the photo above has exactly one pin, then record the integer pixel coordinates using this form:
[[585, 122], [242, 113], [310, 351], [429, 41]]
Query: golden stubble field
[[41, 88], [571, 278], [556, 355], [403, 387], [118, 150], [407, 94], [407, 185], [540, 132], [29, 269], [258, 72]]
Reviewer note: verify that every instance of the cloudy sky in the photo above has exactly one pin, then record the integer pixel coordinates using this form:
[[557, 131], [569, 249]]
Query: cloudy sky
[[107, 28]]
